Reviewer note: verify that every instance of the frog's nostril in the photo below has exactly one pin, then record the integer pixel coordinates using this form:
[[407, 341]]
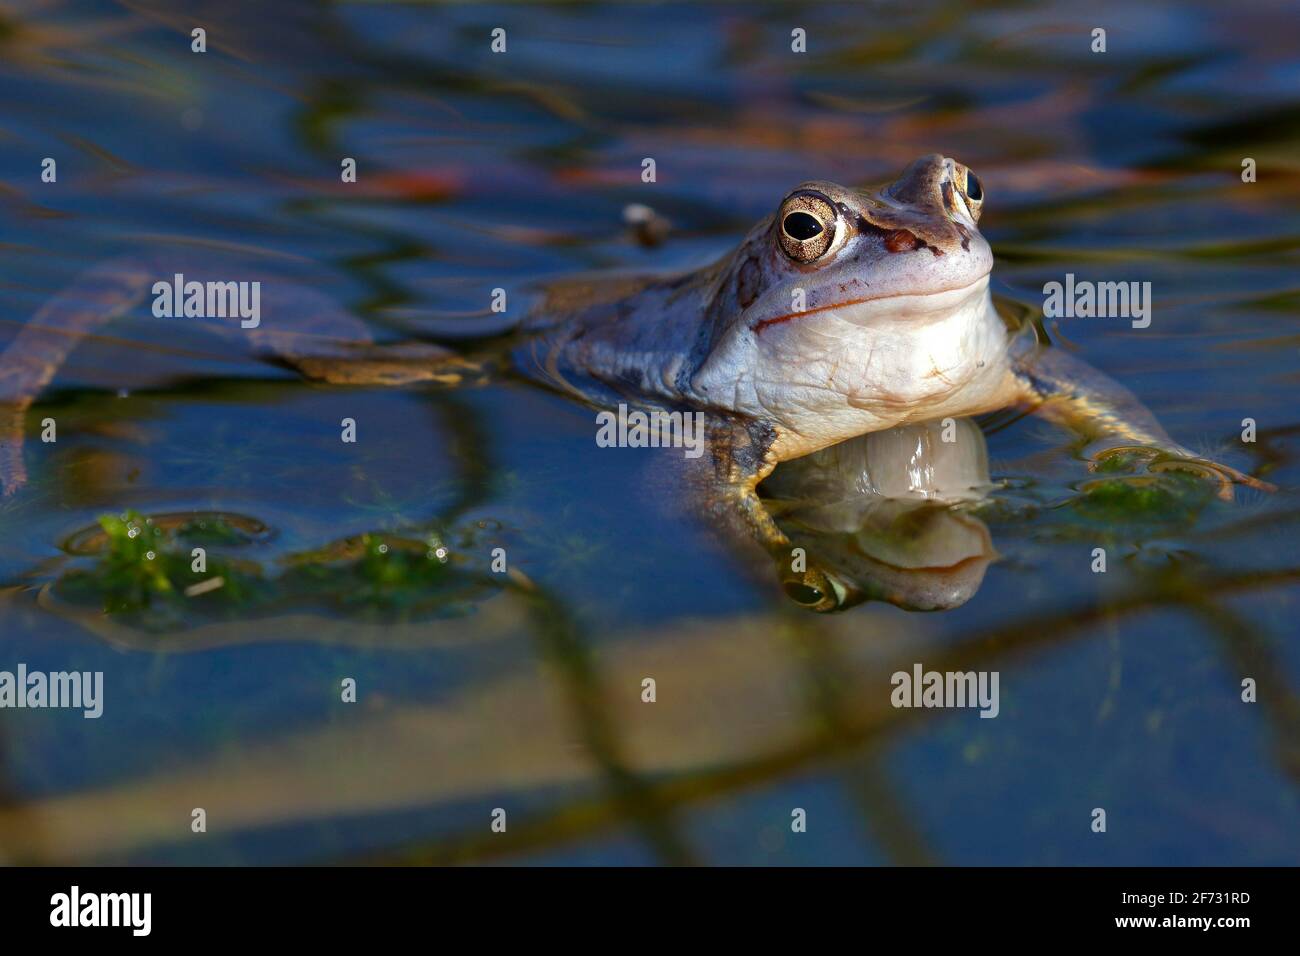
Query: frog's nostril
[[900, 240]]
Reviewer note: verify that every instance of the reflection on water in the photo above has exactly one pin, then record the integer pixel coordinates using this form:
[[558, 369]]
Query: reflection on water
[[524, 690], [874, 513]]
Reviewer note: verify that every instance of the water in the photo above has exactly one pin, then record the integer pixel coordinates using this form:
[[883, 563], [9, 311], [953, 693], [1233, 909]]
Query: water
[[477, 691]]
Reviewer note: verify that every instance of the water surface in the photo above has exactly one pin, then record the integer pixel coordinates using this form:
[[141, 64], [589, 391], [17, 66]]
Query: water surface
[[480, 171]]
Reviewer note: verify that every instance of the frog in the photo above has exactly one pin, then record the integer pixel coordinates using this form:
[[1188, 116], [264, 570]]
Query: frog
[[845, 312]]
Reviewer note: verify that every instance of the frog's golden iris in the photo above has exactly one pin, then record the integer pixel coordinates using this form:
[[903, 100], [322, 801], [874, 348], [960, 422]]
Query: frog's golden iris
[[807, 225]]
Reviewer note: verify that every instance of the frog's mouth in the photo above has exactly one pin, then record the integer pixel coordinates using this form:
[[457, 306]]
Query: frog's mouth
[[916, 306]]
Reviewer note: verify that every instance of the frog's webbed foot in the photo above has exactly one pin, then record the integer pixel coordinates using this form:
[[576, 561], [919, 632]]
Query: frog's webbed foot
[[1160, 459], [1068, 391]]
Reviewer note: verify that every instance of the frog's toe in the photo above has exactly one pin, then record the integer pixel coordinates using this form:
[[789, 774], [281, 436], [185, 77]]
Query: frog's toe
[[1101, 457], [1201, 469], [1225, 475]]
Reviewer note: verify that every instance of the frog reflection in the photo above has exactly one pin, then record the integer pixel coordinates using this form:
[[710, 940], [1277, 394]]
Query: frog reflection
[[886, 516]]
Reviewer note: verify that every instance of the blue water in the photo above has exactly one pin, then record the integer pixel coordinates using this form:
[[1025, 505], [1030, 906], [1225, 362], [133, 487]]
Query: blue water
[[480, 171]]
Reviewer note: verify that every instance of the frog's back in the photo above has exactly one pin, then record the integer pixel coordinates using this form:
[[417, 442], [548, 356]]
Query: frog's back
[[615, 338]]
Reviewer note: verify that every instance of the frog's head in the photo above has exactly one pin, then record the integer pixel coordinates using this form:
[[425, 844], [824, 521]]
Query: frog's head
[[849, 311]]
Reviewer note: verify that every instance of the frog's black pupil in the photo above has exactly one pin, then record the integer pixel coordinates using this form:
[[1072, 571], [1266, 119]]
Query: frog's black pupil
[[803, 594], [801, 226], [973, 189]]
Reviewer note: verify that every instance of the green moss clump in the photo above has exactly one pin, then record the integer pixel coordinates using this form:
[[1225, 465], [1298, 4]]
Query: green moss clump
[[140, 566], [141, 569], [387, 576]]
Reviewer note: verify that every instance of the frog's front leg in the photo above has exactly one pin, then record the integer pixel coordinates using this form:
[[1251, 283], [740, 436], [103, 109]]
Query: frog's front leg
[[1066, 390], [726, 483]]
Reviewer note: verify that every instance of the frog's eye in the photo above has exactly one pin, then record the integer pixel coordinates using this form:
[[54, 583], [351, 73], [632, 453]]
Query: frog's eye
[[812, 589], [804, 595], [972, 193], [806, 226]]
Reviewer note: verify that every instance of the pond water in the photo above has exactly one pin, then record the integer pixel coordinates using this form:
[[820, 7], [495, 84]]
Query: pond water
[[478, 691]]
